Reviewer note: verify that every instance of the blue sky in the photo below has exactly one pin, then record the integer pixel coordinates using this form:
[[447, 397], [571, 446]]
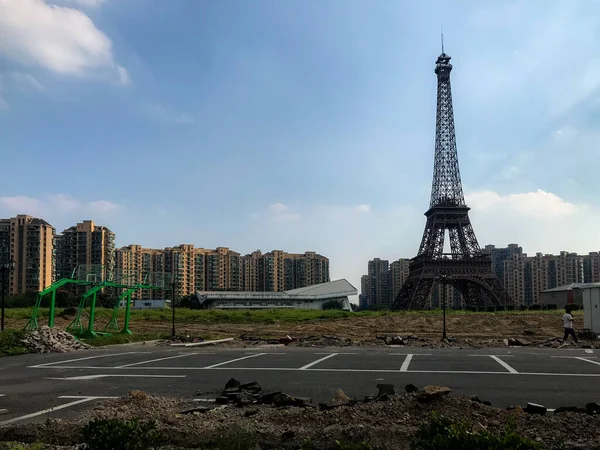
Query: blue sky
[[299, 125]]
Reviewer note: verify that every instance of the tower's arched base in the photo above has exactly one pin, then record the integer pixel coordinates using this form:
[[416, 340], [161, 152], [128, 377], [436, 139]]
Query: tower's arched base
[[471, 276]]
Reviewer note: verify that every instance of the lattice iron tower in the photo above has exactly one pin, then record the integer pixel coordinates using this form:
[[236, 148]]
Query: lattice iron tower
[[466, 268]]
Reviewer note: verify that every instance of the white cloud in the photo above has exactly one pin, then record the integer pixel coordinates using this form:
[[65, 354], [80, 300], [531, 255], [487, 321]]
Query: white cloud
[[58, 208], [89, 3], [25, 82], [540, 221], [278, 212], [167, 115], [60, 39], [363, 208], [4, 106], [102, 206], [278, 208]]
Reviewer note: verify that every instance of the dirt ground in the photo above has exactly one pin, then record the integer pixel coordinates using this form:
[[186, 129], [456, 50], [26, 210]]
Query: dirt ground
[[485, 329], [381, 424]]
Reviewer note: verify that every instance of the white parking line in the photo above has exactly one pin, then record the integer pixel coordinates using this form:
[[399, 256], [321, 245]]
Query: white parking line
[[84, 359], [113, 375], [503, 364], [414, 354], [91, 397], [317, 361], [406, 363], [288, 369], [503, 355], [574, 357], [160, 359], [587, 360], [233, 360], [46, 411]]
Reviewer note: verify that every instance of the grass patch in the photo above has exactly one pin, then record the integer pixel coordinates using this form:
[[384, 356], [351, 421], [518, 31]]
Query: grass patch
[[271, 316], [115, 339], [441, 433], [10, 343], [105, 434]]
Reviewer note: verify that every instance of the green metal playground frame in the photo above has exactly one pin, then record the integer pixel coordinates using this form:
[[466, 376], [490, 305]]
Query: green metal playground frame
[[76, 327]]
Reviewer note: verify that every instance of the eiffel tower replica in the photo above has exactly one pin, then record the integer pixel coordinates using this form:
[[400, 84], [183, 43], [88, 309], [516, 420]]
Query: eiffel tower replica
[[466, 268]]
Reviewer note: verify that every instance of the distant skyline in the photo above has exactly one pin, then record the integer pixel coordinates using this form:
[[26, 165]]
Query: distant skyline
[[300, 125]]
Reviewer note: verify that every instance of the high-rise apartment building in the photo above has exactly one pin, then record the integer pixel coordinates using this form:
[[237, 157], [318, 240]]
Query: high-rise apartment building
[[28, 241], [85, 244], [526, 276], [278, 271], [379, 286], [398, 275], [193, 269]]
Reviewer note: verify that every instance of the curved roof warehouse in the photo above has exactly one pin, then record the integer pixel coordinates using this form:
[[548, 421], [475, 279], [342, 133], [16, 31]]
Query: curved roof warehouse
[[310, 297]]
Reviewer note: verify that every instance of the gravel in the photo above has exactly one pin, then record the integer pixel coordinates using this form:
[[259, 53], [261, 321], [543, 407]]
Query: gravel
[[383, 424]]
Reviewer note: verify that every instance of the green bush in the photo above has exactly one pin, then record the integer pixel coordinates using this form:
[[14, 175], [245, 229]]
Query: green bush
[[441, 433], [333, 304], [108, 434], [10, 343]]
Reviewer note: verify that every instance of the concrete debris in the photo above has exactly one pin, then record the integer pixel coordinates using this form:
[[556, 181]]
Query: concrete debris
[[243, 394], [286, 340], [534, 408], [397, 340], [53, 340], [432, 392], [411, 388], [340, 398], [593, 408]]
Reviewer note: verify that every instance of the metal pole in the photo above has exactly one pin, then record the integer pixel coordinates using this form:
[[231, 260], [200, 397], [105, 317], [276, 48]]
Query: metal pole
[[4, 271], [173, 308]]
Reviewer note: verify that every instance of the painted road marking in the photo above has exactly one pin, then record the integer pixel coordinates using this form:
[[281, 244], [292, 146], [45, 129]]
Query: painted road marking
[[589, 350], [126, 375], [414, 354], [287, 369], [86, 358], [503, 355], [314, 363], [327, 353], [160, 359], [91, 397], [233, 360], [503, 364], [587, 360], [573, 357], [2, 395], [49, 410], [406, 363]]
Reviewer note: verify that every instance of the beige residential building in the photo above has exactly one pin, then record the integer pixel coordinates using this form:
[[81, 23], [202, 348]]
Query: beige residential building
[[278, 271], [86, 246], [398, 275], [28, 241], [193, 269], [526, 276]]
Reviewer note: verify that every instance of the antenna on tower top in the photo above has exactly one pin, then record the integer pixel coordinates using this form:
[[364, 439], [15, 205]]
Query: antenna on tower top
[[442, 30]]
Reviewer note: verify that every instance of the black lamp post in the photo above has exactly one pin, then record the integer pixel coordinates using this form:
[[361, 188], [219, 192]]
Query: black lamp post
[[5, 269], [173, 307]]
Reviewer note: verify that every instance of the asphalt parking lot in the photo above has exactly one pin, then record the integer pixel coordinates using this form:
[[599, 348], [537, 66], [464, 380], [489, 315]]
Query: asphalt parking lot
[[34, 387]]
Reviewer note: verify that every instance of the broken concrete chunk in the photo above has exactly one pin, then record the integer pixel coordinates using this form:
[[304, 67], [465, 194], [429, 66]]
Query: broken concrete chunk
[[522, 342], [385, 389], [564, 409], [340, 398], [593, 408], [433, 392], [534, 408], [411, 388], [397, 340], [232, 384]]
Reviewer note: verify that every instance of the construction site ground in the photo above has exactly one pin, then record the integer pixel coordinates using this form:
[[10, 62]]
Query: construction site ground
[[484, 329]]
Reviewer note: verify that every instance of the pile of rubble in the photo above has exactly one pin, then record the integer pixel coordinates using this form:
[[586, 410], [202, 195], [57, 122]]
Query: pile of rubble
[[52, 340]]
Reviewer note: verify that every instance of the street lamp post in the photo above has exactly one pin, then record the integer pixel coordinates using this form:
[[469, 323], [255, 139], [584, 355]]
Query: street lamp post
[[5, 269], [173, 308]]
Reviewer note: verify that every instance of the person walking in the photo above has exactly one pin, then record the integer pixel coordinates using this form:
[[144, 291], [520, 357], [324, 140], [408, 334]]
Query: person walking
[[568, 325]]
